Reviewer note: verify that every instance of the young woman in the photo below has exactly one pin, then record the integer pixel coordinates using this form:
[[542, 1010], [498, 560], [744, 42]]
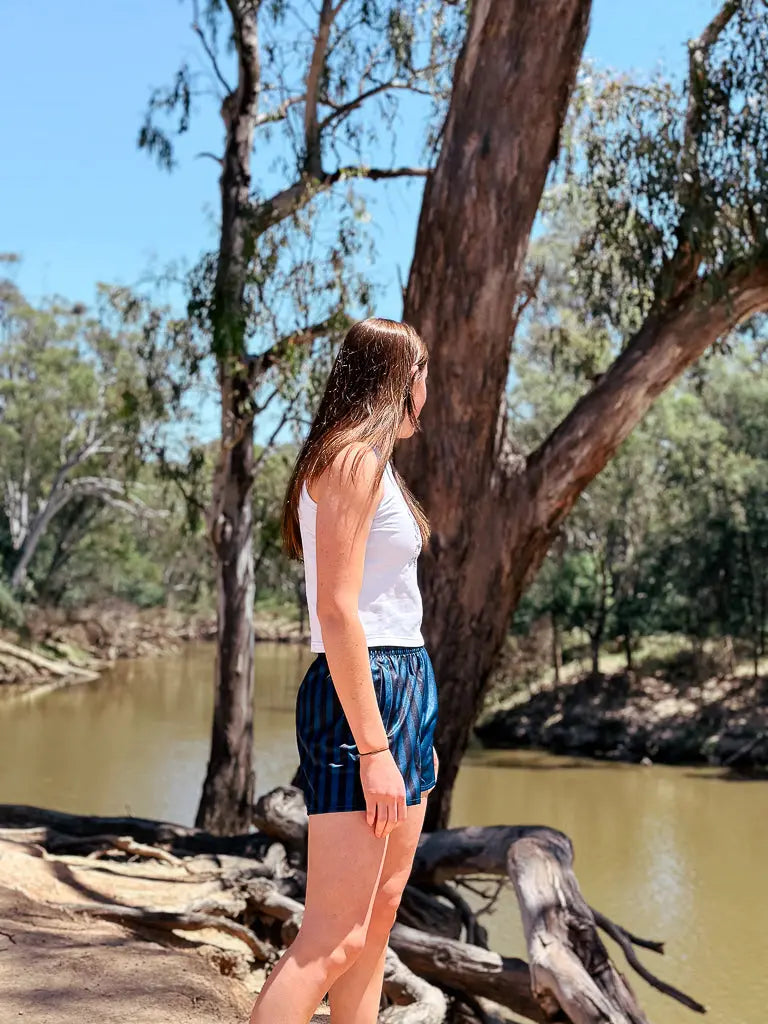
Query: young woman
[[366, 709]]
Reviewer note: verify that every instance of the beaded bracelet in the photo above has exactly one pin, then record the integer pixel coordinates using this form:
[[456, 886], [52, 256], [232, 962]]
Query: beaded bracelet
[[379, 751]]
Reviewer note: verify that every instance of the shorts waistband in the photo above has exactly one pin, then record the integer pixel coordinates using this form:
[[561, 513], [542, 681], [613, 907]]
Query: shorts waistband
[[387, 649]]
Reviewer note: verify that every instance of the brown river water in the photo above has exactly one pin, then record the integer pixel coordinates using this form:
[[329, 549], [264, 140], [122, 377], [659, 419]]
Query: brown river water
[[675, 854]]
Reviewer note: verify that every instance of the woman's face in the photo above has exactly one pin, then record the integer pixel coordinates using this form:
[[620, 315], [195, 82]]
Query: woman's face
[[419, 395]]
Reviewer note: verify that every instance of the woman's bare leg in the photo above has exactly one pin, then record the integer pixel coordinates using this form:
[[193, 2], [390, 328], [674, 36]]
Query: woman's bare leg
[[344, 866], [355, 995]]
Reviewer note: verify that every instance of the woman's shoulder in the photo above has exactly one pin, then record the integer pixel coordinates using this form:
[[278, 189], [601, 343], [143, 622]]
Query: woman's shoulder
[[352, 471]]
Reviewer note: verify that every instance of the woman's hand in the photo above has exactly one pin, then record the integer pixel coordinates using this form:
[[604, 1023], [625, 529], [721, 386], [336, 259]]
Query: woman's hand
[[384, 789]]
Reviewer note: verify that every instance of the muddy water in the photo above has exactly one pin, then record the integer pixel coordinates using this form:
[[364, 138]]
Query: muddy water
[[677, 854]]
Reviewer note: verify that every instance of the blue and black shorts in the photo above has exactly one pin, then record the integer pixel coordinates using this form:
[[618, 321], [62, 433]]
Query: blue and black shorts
[[329, 769]]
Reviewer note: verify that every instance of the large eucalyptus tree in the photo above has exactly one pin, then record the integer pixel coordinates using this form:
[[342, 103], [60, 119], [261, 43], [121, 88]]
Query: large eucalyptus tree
[[673, 254]]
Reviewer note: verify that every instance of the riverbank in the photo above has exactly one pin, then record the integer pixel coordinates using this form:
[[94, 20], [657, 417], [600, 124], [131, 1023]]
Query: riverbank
[[58, 648], [640, 718]]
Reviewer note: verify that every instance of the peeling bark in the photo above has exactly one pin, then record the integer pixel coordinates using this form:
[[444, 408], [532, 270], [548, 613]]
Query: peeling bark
[[511, 91]]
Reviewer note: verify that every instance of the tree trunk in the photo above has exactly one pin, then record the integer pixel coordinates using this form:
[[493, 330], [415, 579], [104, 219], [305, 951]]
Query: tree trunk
[[557, 657], [495, 514], [227, 798], [627, 636], [228, 792], [594, 646], [596, 637], [511, 90]]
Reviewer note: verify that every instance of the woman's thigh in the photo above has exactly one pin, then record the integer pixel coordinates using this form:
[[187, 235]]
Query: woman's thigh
[[401, 847], [344, 864]]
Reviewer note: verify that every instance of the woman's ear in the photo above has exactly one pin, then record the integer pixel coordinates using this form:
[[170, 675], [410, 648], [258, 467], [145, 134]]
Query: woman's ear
[[409, 402]]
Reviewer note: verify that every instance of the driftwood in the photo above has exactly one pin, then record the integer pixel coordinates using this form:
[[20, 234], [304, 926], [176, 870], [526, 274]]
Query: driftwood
[[178, 839], [438, 958], [52, 667], [570, 967], [416, 1001], [167, 921], [23, 671], [471, 969]]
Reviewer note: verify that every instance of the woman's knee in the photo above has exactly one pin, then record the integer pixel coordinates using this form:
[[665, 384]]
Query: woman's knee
[[338, 950], [348, 948], [385, 905]]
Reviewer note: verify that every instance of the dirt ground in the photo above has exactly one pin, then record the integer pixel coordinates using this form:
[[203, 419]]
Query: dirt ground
[[59, 966]]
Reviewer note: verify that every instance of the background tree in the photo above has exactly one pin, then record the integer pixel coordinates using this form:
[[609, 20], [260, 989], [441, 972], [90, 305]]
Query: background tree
[[84, 395], [707, 562], [308, 92]]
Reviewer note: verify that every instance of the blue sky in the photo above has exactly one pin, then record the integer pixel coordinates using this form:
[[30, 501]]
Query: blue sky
[[80, 203]]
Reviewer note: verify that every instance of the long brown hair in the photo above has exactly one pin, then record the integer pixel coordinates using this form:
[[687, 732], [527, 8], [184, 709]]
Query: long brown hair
[[369, 390]]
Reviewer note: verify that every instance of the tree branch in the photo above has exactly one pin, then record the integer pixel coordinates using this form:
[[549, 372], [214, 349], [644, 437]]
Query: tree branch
[[685, 262], [209, 49], [290, 200], [210, 156], [622, 937], [259, 364], [717, 26], [340, 110], [259, 461], [670, 341], [698, 50], [245, 97], [280, 112], [141, 917], [313, 157], [471, 969], [377, 173], [110, 491], [416, 1000]]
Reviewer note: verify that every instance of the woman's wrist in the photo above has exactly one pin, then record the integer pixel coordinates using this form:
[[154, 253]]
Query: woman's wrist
[[378, 750]]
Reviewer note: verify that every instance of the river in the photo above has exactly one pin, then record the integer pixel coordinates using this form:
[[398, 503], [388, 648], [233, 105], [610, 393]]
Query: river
[[675, 854]]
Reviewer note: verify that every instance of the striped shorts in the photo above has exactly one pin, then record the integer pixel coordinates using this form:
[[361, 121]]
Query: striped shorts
[[406, 692]]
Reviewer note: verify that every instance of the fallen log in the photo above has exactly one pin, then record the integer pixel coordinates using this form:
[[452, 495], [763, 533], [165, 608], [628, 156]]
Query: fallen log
[[125, 844], [136, 917], [415, 1000], [570, 967], [178, 839], [58, 669], [282, 814], [470, 969]]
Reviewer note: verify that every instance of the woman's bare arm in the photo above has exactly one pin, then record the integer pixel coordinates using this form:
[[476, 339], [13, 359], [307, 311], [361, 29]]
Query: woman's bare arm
[[345, 511]]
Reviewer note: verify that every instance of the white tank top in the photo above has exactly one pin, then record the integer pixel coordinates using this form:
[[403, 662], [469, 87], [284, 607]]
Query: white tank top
[[390, 602]]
